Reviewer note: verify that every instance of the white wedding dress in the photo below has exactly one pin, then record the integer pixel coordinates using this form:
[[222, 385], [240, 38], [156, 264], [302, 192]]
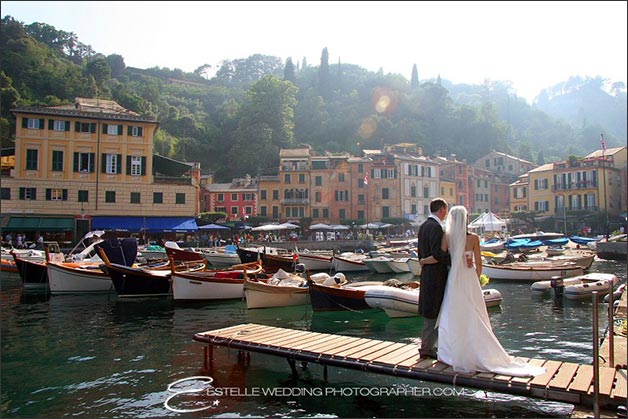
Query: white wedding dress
[[465, 337]]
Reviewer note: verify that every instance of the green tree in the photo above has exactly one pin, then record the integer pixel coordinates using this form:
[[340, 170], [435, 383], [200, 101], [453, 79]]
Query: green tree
[[324, 84], [288, 71], [116, 64]]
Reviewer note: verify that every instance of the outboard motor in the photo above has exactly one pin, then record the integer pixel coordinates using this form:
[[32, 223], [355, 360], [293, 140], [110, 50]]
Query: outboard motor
[[557, 284], [299, 268]]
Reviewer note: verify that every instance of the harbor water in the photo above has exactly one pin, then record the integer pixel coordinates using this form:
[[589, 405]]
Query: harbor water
[[100, 356]]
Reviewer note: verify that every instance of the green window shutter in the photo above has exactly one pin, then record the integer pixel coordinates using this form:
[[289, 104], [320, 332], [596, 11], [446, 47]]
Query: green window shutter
[[24, 122], [67, 125], [22, 193], [92, 161], [120, 130], [34, 194], [103, 166], [51, 124], [41, 124], [76, 162], [48, 194], [92, 127], [143, 166], [128, 165], [119, 164], [139, 131], [65, 194], [129, 130], [77, 127], [104, 128]]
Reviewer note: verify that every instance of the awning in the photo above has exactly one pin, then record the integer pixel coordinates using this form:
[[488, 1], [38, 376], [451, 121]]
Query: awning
[[148, 224], [42, 224]]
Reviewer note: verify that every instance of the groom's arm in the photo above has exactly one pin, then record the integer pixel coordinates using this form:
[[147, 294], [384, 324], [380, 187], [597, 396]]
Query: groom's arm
[[439, 254]]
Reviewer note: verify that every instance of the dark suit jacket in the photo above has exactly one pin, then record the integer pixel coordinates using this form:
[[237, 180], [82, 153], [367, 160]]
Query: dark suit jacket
[[433, 277]]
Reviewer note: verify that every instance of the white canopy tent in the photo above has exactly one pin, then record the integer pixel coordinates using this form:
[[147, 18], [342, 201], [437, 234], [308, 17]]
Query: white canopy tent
[[488, 222]]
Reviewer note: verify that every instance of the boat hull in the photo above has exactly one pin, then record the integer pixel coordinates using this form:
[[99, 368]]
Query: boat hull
[[331, 298], [262, 295], [136, 282], [33, 273], [74, 280], [529, 272], [316, 262], [399, 265], [342, 264]]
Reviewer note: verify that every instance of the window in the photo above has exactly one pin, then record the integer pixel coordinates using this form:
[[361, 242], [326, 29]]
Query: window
[[385, 193], [56, 194], [83, 196], [136, 166], [135, 197], [33, 123], [301, 177], [315, 213], [112, 129], [5, 193], [220, 197], [56, 125], [413, 209], [341, 177], [342, 195], [248, 210], [234, 210], [84, 162], [318, 181], [325, 212], [180, 198], [426, 192], [85, 127], [158, 197], [275, 212], [28, 194], [31, 159], [248, 197], [361, 215], [110, 196], [413, 191], [342, 214], [276, 196], [287, 178], [234, 196], [361, 200], [221, 209], [134, 131], [112, 163], [57, 161], [317, 196], [263, 194], [360, 168], [263, 211], [385, 212]]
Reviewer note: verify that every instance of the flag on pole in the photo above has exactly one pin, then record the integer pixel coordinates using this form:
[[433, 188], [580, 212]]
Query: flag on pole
[[366, 179], [602, 142]]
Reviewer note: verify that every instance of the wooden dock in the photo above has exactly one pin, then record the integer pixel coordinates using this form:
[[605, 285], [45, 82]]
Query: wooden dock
[[564, 381]]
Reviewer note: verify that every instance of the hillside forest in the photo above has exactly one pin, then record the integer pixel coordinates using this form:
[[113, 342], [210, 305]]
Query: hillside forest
[[234, 119]]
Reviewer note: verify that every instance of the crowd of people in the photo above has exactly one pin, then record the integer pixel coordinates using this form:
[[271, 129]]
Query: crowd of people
[[20, 241]]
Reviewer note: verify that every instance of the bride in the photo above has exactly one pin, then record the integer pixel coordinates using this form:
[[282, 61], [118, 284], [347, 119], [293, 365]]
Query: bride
[[465, 338]]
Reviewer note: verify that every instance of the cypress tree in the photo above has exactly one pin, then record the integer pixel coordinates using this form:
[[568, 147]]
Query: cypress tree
[[414, 79], [324, 88], [288, 71]]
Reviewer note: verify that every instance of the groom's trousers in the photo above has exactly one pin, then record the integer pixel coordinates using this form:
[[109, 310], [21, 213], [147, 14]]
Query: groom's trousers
[[429, 338]]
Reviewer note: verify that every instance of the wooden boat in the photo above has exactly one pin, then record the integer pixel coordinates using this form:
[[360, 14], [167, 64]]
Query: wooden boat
[[148, 280], [537, 236], [33, 270], [492, 245], [8, 266], [531, 270], [613, 250], [349, 262], [216, 284], [541, 287], [225, 256], [316, 261], [399, 265], [78, 277], [173, 251], [271, 259], [404, 302], [581, 257], [283, 289], [335, 297], [555, 251]]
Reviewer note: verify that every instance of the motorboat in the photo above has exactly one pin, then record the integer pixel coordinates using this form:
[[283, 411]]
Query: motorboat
[[532, 270], [225, 256], [492, 245], [399, 265], [555, 250], [316, 261], [349, 262], [378, 264], [78, 277], [404, 302], [339, 297], [215, 284], [591, 278]]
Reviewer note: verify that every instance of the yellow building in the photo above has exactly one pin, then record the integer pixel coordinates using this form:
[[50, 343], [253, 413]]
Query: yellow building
[[89, 165], [519, 194], [447, 190]]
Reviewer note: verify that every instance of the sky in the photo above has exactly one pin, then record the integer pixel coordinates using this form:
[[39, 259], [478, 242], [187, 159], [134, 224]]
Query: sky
[[533, 45]]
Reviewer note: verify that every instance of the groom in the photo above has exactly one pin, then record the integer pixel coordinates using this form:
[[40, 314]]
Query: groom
[[433, 277]]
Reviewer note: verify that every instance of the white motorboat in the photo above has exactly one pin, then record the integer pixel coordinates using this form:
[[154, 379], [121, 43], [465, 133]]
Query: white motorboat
[[545, 286], [315, 261], [532, 270], [415, 266], [585, 288], [221, 257], [379, 264], [399, 265], [400, 302], [349, 262]]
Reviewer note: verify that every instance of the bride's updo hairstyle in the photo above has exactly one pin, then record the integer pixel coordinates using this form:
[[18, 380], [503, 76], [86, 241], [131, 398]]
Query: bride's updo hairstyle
[[456, 231]]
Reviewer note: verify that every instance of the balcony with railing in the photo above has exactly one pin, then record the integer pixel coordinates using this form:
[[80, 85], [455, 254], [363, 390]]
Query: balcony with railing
[[586, 184], [295, 201]]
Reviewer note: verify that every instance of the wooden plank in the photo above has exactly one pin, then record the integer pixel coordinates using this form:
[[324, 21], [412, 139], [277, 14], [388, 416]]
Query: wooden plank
[[551, 368], [349, 351], [583, 379], [390, 357], [338, 342], [322, 342], [620, 385], [293, 339], [565, 374], [337, 351], [437, 366], [223, 330], [526, 380], [375, 348], [271, 336], [376, 356], [229, 332], [607, 378], [256, 333]]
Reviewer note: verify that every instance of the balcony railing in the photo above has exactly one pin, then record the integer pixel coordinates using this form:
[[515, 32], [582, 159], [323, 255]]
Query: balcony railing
[[295, 201], [587, 184]]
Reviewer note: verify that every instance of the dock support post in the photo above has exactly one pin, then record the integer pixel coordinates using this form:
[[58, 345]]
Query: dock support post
[[208, 355], [325, 373], [611, 327], [293, 367], [596, 359]]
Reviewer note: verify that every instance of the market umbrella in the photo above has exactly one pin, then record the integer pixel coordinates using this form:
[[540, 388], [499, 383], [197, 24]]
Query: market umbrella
[[320, 226], [213, 227], [339, 227]]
